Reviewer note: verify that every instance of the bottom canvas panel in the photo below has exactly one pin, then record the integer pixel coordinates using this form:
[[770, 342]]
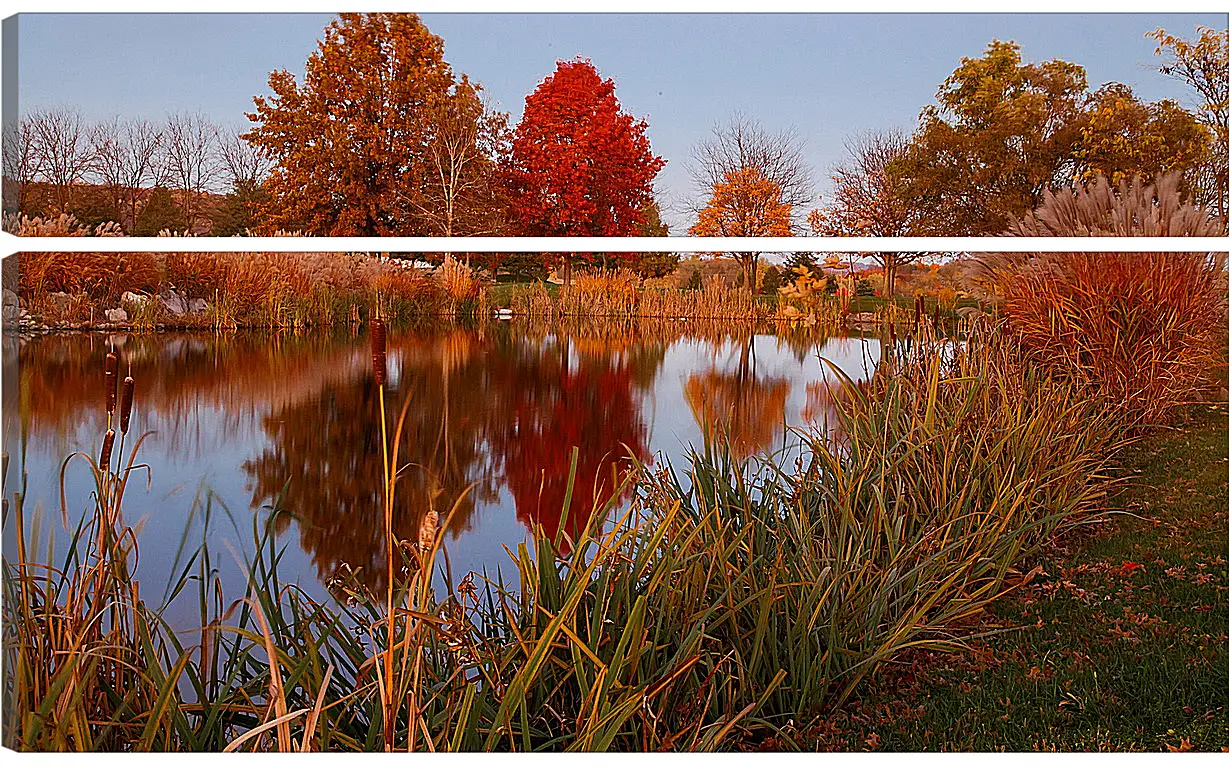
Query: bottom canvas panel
[[507, 501]]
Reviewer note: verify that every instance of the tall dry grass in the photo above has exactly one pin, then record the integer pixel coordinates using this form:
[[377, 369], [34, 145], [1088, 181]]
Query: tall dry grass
[[98, 277], [460, 285], [1131, 209], [622, 294], [63, 225], [1146, 329], [606, 292], [272, 290], [712, 302]]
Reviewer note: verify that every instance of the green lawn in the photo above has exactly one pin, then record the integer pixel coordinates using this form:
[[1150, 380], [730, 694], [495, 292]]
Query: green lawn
[[1124, 641]]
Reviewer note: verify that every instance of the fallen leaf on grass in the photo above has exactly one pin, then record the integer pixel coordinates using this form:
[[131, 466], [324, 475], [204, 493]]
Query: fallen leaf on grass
[[1183, 746]]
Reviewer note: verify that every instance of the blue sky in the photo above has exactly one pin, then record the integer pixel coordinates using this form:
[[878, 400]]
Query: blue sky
[[827, 75]]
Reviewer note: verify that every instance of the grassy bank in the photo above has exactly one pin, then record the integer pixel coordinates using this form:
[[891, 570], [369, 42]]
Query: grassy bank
[[1118, 644]]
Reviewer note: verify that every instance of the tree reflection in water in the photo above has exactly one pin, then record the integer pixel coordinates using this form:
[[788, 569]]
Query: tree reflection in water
[[484, 411], [492, 417], [740, 406]]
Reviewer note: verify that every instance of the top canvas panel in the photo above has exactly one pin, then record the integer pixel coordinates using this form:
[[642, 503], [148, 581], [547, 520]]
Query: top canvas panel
[[746, 125]]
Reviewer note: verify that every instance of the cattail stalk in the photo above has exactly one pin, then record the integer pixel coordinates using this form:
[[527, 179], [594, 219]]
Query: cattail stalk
[[379, 351], [379, 363], [111, 372], [125, 404], [108, 443]]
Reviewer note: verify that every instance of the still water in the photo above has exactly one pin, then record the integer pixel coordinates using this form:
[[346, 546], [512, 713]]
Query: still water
[[247, 422]]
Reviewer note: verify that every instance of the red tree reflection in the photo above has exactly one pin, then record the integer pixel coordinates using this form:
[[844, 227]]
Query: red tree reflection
[[590, 409]]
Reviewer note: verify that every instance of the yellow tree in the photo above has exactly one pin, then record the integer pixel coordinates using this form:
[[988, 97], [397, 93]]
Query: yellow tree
[[745, 204], [1001, 133], [1125, 137], [1204, 66]]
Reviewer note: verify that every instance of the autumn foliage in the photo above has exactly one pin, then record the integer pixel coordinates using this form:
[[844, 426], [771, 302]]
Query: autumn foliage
[[1148, 329], [1125, 137], [579, 164], [746, 204], [357, 145]]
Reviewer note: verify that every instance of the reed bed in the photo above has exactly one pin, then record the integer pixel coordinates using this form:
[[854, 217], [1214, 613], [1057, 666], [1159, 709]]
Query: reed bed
[[730, 601], [533, 301], [620, 294], [715, 302], [266, 290], [460, 285], [89, 277], [604, 293]]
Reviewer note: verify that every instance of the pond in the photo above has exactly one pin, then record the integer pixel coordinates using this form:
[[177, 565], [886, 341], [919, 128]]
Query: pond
[[246, 422]]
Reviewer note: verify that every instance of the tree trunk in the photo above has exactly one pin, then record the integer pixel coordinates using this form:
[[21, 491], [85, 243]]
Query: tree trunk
[[750, 262]]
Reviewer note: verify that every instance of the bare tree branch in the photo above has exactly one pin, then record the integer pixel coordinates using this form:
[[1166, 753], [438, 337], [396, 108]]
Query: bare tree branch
[[744, 143], [62, 146], [191, 158], [22, 162]]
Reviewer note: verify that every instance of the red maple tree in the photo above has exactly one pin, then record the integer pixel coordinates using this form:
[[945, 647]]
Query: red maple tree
[[579, 165]]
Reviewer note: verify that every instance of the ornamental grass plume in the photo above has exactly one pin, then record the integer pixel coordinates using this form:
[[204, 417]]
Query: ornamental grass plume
[[427, 530], [1132, 209], [458, 281]]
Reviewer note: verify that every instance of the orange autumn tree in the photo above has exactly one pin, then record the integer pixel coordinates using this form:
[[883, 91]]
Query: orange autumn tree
[[746, 204], [357, 146]]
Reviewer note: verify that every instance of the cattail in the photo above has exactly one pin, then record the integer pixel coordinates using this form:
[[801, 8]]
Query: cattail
[[111, 373], [918, 303], [125, 404], [108, 442], [426, 530], [379, 349], [936, 317]]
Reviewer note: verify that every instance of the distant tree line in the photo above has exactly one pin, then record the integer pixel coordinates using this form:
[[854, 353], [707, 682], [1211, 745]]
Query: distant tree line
[[382, 137], [144, 175]]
